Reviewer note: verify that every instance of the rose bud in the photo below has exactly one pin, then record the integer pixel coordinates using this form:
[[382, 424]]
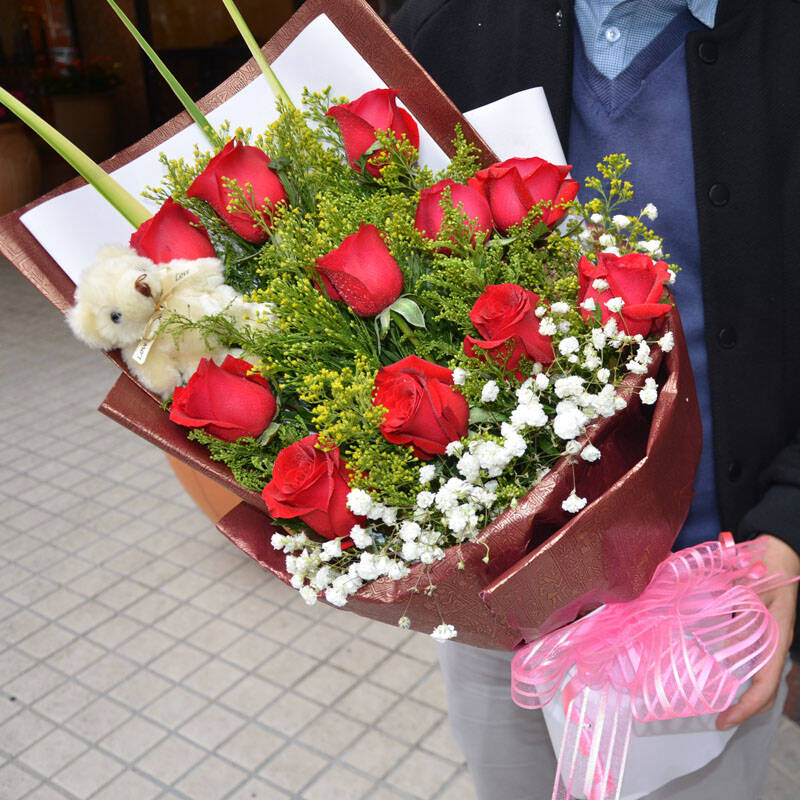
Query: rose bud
[[225, 401], [505, 316], [246, 165], [362, 272], [374, 111], [174, 232], [513, 187], [430, 214], [422, 407], [636, 279], [312, 485]]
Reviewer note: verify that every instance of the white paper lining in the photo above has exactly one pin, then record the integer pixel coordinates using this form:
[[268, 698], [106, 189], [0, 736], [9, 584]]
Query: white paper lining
[[75, 225]]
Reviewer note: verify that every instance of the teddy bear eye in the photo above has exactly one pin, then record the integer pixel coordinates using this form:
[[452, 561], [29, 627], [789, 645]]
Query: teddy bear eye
[[116, 316]]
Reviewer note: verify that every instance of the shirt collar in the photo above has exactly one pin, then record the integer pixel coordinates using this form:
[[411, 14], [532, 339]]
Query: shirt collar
[[703, 10]]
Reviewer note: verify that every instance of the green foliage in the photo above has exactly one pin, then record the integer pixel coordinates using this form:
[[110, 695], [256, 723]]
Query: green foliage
[[322, 358]]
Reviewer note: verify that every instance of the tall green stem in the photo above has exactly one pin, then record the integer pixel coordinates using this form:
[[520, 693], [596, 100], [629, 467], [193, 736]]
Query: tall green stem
[[194, 112], [255, 50], [120, 198]]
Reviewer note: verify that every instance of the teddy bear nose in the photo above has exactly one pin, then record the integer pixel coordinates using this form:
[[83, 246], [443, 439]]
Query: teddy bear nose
[[116, 316]]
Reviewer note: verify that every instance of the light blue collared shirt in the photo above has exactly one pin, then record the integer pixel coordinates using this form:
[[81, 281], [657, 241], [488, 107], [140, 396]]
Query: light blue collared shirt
[[615, 31]]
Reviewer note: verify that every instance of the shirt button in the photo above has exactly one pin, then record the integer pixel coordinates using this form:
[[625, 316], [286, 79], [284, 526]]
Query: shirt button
[[727, 337], [708, 51], [734, 471], [612, 34], [719, 194]]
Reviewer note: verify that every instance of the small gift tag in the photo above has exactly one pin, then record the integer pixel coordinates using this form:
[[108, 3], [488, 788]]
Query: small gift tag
[[142, 350]]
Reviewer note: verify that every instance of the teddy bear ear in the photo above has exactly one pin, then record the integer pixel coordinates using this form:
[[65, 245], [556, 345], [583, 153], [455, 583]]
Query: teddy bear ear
[[83, 323]]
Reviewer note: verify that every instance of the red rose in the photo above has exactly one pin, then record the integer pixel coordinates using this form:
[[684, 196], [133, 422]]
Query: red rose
[[423, 409], [430, 215], [311, 484], [636, 278], [225, 401], [362, 273], [374, 111], [246, 165], [505, 316], [174, 232], [513, 187]]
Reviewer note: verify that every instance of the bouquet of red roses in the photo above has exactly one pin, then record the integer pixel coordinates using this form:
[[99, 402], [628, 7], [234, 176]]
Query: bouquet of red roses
[[458, 409]]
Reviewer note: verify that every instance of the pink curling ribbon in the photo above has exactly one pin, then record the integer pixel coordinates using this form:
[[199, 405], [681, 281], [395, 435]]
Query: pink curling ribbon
[[682, 648]]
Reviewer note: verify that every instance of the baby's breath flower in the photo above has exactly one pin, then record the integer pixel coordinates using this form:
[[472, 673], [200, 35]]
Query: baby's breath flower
[[666, 342], [309, 595], [572, 448], [547, 327], [569, 421], [425, 499], [599, 284], [568, 346], [454, 448], [607, 240], [636, 368], [590, 453], [615, 304], [573, 504], [490, 392], [359, 502], [331, 549], [588, 304], [559, 308], [426, 473], [620, 220], [361, 538], [404, 623], [652, 246], [444, 632], [596, 218], [649, 393], [459, 376], [650, 211]]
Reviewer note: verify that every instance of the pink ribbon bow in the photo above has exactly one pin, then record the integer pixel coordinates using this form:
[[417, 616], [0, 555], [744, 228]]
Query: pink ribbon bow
[[682, 648]]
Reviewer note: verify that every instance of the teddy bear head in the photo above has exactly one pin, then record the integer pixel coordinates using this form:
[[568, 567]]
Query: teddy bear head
[[115, 299]]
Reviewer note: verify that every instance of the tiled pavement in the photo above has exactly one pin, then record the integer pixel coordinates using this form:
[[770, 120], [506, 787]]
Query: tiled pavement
[[143, 656]]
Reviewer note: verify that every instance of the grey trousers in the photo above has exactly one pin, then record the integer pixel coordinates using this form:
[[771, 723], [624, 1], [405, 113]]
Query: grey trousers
[[510, 756]]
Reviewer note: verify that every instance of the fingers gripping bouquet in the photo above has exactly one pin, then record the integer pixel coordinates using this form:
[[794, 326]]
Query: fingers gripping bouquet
[[463, 396], [440, 378]]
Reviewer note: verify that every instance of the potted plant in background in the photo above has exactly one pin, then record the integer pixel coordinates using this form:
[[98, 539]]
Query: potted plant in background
[[20, 166], [78, 99]]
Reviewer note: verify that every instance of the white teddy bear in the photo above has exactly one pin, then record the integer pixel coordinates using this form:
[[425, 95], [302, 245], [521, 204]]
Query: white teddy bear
[[123, 297]]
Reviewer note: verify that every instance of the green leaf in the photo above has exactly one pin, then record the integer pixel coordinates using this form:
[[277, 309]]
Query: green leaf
[[383, 319], [255, 51], [120, 198], [408, 310], [478, 415]]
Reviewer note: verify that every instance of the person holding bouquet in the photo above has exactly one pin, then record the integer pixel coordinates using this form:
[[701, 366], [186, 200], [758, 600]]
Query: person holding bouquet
[[702, 96]]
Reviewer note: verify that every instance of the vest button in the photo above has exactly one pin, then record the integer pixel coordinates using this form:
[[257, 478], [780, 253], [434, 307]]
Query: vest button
[[708, 51], [719, 194], [734, 471], [727, 337]]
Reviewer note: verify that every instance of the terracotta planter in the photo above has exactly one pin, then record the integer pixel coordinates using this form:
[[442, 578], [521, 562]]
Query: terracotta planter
[[213, 500], [20, 168]]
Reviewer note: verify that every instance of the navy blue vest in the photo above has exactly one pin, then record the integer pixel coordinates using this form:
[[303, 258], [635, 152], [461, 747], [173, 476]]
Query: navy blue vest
[[644, 112]]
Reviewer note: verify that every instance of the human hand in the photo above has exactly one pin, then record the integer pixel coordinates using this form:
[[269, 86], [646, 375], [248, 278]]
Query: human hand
[[782, 604]]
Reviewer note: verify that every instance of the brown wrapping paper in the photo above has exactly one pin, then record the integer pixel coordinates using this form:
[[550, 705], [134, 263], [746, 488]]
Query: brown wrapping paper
[[545, 567]]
